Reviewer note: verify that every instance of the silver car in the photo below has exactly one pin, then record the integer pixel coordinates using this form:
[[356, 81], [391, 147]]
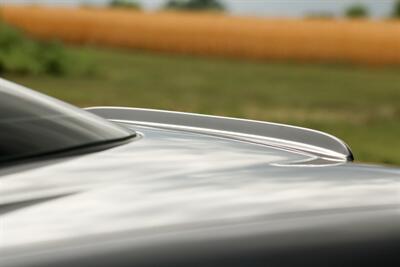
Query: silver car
[[114, 186]]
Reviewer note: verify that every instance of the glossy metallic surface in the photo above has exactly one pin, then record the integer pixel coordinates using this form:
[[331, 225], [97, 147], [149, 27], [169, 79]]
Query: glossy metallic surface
[[315, 142], [168, 181]]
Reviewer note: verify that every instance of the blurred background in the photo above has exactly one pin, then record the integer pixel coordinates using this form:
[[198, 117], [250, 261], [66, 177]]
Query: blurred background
[[323, 64]]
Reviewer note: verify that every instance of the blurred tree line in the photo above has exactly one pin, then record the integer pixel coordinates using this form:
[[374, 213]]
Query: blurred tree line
[[361, 11], [357, 11], [125, 4], [195, 5], [396, 10], [174, 4], [353, 11]]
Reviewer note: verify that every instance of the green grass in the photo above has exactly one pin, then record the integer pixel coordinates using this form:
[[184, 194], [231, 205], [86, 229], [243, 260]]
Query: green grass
[[358, 104]]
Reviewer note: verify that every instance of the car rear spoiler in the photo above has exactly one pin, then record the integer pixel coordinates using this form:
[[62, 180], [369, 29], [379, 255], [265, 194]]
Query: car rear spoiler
[[271, 134]]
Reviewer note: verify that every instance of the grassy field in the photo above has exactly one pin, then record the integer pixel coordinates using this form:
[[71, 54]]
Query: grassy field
[[359, 105]]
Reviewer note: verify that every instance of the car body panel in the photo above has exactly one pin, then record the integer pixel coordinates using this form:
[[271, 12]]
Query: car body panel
[[169, 179]]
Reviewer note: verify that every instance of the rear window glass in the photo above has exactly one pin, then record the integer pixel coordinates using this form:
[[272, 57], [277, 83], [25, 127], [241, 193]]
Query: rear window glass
[[33, 124]]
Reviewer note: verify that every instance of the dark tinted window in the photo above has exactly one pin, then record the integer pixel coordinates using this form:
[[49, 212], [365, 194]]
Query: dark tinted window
[[34, 124]]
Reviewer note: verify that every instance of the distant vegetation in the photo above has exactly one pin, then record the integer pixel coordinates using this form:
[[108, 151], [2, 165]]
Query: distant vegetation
[[22, 55], [357, 11], [195, 5], [320, 15], [396, 10], [125, 4], [19, 54]]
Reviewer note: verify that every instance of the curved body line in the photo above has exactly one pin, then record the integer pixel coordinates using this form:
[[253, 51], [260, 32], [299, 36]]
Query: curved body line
[[271, 134]]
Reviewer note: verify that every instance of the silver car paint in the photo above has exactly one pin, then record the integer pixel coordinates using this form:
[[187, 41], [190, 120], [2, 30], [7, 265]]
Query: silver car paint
[[174, 178], [273, 134]]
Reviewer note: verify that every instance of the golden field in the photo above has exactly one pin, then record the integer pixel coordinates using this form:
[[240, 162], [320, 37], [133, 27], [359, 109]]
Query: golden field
[[357, 41]]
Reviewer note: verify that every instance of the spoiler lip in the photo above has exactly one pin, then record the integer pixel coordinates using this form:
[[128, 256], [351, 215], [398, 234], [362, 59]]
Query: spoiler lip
[[284, 136]]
